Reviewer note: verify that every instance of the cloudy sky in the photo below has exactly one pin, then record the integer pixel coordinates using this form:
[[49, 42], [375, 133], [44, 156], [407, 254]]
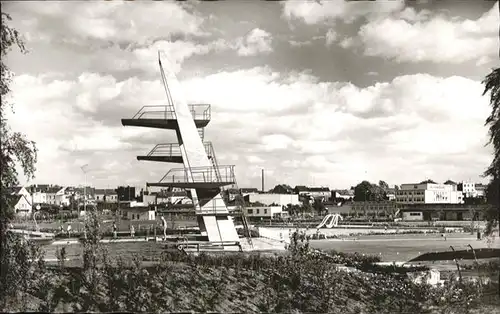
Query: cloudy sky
[[317, 93]]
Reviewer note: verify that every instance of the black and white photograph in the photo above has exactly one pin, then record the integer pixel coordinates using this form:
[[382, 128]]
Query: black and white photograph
[[250, 156]]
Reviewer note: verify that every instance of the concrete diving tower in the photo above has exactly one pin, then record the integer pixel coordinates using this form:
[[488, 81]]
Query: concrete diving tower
[[200, 175]]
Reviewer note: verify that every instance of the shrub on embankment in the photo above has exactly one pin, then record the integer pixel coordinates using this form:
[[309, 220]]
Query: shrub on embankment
[[301, 281]]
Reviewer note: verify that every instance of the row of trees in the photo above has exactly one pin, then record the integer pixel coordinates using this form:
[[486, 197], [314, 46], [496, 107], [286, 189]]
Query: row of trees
[[366, 191]]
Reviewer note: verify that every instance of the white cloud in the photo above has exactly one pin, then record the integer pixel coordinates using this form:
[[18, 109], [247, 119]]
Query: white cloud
[[293, 123], [416, 37], [404, 34], [262, 119], [117, 21], [347, 43], [295, 43], [146, 58], [257, 41], [313, 12]]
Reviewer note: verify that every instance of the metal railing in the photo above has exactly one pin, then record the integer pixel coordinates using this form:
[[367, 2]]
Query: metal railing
[[210, 206], [201, 111], [198, 111], [174, 150], [200, 175], [185, 245]]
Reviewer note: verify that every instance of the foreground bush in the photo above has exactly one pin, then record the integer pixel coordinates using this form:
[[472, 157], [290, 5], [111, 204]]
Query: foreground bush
[[304, 280], [292, 283]]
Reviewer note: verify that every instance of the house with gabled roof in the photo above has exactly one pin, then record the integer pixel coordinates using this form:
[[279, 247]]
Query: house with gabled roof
[[450, 182], [282, 189], [21, 204], [300, 189], [18, 190]]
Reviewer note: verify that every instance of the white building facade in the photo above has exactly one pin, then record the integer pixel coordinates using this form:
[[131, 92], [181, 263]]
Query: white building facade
[[429, 193], [471, 189], [275, 199], [263, 211], [106, 196], [22, 206]]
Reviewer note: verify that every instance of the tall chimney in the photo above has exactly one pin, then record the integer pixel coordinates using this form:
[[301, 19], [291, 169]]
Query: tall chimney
[[262, 180]]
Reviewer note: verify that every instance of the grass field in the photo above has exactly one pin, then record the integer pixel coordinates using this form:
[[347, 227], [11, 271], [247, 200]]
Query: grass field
[[402, 247], [106, 224], [387, 247]]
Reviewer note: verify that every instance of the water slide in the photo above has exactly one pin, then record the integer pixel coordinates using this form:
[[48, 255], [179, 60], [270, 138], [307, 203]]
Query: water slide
[[330, 221]]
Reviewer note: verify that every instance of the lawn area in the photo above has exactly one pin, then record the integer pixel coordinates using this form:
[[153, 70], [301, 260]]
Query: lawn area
[[401, 247], [106, 224]]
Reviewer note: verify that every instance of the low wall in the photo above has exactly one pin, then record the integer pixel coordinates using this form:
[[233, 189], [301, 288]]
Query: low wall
[[280, 234]]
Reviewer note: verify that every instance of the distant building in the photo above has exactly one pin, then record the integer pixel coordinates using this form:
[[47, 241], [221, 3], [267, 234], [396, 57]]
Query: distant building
[[126, 193], [248, 191], [38, 193], [85, 194], [470, 189], [306, 193], [18, 190], [300, 189], [373, 209], [282, 189], [22, 205], [106, 196], [44, 194], [391, 194], [62, 197], [429, 212], [52, 195], [412, 215], [319, 193], [263, 211], [429, 193], [342, 195], [138, 211], [481, 189], [167, 197], [276, 199]]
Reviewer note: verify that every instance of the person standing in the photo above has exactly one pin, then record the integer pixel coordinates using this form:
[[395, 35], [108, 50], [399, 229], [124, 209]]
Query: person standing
[[164, 225], [114, 230], [132, 231]]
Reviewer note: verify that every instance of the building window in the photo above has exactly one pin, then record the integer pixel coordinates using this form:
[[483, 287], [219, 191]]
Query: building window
[[258, 211], [265, 211], [250, 211]]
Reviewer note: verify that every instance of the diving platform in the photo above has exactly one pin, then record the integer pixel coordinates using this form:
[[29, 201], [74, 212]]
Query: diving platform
[[171, 152], [197, 177], [201, 175], [164, 117]]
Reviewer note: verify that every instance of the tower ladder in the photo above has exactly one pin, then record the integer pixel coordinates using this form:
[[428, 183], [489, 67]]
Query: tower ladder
[[239, 200]]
